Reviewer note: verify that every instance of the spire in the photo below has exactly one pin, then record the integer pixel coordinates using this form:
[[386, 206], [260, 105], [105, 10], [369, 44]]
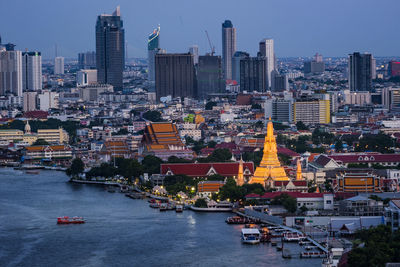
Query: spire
[[317, 191], [298, 172], [270, 128], [27, 128], [240, 179]]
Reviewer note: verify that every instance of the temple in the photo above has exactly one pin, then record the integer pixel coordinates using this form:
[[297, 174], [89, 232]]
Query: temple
[[240, 178], [270, 169]]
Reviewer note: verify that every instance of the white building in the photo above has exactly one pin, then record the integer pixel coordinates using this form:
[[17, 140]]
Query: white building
[[267, 51], [190, 130], [359, 98], [59, 65], [48, 100], [31, 71], [86, 77], [10, 72]]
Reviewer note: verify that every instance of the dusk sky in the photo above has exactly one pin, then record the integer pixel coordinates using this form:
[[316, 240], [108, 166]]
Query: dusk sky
[[299, 27]]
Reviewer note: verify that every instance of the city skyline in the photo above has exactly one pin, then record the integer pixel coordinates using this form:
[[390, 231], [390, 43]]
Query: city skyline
[[297, 29]]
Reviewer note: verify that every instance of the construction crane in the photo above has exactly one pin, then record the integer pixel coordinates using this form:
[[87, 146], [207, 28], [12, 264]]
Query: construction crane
[[211, 46]]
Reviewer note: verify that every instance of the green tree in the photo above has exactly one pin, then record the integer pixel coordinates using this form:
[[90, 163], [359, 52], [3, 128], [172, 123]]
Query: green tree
[[338, 145], [77, 167], [256, 106], [301, 126], [152, 115], [40, 142], [201, 203], [231, 191], [288, 202], [129, 168], [210, 105], [212, 144], [151, 164]]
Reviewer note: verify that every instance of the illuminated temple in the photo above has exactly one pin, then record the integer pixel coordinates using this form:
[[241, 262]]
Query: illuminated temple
[[270, 169]]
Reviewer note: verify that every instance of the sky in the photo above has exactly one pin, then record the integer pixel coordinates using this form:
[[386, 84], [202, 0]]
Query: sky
[[298, 27]]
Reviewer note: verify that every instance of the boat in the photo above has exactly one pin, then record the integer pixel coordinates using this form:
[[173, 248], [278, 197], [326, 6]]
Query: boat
[[223, 206], [154, 205], [32, 172], [315, 254], [163, 206], [241, 220], [250, 236], [68, 220], [293, 237], [179, 208]]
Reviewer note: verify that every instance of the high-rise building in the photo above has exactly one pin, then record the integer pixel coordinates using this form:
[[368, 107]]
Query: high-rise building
[[87, 60], [86, 77], [315, 66], [31, 71], [228, 48], [10, 72], [110, 49], [59, 65], [280, 82], [266, 48], [394, 69], [153, 48], [194, 50], [47, 100], [253, 74], [312, 111], [29, 101], [209, 76], [360, 72], [175, 75], [279, 110], [237, 57]]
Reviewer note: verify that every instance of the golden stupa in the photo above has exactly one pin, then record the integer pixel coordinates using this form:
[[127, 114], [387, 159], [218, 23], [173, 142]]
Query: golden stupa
[[270, 167], [240, 179]]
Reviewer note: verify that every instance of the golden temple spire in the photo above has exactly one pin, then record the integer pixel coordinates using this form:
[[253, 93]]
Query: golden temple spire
[[298, 172], [240, 179]]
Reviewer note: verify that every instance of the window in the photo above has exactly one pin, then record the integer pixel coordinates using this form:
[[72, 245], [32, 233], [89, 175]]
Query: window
[[329, 202]]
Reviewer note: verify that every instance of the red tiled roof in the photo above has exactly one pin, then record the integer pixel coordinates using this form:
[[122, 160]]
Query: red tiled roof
[[287, 151], [253, 196], [270, 195], [201, 169], [37, 114]]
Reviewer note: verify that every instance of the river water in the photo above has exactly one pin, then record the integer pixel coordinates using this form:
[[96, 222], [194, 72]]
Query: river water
[[119, 231]]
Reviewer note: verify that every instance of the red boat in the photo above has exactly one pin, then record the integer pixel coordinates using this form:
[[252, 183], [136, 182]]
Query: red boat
[[68, 220]]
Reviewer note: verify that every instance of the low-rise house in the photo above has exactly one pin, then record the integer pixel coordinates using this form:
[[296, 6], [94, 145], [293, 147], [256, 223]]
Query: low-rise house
[[360, 206], [207, 188], [47, 152]]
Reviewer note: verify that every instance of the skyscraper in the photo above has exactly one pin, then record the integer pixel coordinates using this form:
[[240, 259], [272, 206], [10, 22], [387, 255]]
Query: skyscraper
[[267, 50], [175, 75], [194, 50], [253, 74], [10, 72], [59, 65], [153, 47], [87, 60], [360, 72], [394, 69], [110, 49], [209, 76], [239, 55], [31, 71], [228, 48]]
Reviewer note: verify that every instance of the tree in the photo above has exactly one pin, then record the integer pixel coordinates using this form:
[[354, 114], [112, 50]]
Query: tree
[[151, 164], [216, 177], [210, 105], [40, 142], [77, 167], [121, 131], [152, 115], [339, 145], [288, 202], [231, 191], [129, 168], [212, 144], [256, 106], [303, 209], [201, 203], [301, 126]]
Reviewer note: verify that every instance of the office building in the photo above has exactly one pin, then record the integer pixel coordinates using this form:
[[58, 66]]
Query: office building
[[228, 48], [266, 48], [175, 75], [153, 48], [360, 72], [87, 60], [312, 111], [209, 76], [237, 57], [391, 98], [394, 69], [253, 74], [47, 100], [110, 49], [279, 82], [10, 72], [31, 71], [59, 65], [86, 77], [316, 66], [279, 110], [359, 98], [93, 92], [194, 50], [29, 101]]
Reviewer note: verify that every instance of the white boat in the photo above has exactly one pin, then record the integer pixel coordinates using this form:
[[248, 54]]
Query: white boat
[[224, 206], [251, 236], [179, 208], [163, 206]]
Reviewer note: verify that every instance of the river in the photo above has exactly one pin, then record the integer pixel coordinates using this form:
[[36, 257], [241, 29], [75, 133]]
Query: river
[[119, 231]]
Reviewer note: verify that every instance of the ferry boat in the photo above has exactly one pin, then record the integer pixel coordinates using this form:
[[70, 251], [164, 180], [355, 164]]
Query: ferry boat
[[293, 237], [223, 206], [251, 236], [241, 220], [68, 220], [163, 206], [315, 254], [179, 208]]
